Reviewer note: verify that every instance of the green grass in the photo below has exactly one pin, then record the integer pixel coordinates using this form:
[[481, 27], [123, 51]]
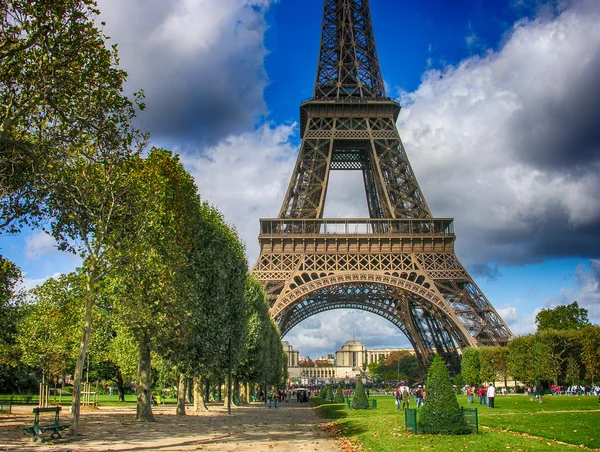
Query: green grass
[[103, 400], [516, 424]]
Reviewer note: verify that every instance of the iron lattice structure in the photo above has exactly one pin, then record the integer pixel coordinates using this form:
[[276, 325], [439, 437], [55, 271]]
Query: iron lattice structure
[[400, 262]]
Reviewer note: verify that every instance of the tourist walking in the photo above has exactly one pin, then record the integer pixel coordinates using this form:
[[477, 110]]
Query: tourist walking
[[491, 394], [405, 399], [470, 396], [419, 396]]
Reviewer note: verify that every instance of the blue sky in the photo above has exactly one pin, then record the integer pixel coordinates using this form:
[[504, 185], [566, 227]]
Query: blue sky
[[500, 117]]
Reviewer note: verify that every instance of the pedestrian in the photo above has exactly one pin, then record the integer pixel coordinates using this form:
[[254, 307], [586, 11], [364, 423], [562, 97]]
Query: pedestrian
[[470, 396], [419, 396], [481, 393], [277, 397], [491, 394], [405, 399], [398, 398]]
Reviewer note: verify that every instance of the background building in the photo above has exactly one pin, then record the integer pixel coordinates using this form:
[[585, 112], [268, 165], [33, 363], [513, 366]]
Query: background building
[[352, 359]]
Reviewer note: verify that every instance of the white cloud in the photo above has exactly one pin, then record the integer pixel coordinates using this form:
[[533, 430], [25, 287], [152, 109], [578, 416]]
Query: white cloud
[[508, 144], [246, 177], [200, 63], [587, 292], [510, 314], [328, 331], [39, 245], [30, 283]]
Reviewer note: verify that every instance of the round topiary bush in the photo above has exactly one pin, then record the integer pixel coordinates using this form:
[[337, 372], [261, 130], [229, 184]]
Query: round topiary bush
[[339, 395], [360, 402], [441, 412]]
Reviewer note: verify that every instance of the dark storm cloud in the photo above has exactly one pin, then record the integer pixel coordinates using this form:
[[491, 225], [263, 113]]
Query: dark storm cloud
[[560, 128], [199, 62]]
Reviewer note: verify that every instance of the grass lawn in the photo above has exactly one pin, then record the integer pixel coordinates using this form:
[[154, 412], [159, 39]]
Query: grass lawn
[[65, 400], [516, 424]]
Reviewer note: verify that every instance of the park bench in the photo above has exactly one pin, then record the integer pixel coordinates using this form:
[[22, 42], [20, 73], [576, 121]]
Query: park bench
[[36, 430]]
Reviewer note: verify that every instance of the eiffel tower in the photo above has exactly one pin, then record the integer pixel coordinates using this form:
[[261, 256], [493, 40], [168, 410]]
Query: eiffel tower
[[399, 263]]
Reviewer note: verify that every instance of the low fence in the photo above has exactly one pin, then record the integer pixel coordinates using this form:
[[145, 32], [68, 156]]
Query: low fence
[[469, 416], [6, 406]]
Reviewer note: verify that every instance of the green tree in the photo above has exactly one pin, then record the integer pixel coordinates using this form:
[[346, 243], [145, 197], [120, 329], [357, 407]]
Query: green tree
[[11, 311], [573, 371], [254, 358], [569, 317], [589, 338], [66, 134], [339, 395], [488, 371], [60, 89], [47, 333], [329, 395], [470, 366], [153, 277], [441, 412], [360, 401]]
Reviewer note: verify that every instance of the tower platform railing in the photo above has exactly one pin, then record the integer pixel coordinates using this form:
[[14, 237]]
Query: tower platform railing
[[440, 227]]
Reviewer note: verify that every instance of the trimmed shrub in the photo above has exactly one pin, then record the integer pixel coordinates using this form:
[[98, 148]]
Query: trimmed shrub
[[441, 412], [339, 395], [329, 396], [323, 392], [360, 402]]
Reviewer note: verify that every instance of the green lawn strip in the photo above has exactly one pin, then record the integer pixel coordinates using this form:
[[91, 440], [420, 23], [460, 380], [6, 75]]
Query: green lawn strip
[[103, 400], [383, 430], [577, 428]]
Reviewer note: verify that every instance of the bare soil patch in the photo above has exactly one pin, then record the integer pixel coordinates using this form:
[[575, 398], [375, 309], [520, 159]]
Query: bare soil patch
[[292, 427]]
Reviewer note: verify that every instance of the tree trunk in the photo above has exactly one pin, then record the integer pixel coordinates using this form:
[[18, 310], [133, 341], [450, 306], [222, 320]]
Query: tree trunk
[[247, 395], [207, 390], [120, 386], [199, 402], [181, 396], [236, 390], [226, 393], [189, 389], [144, 404], [87, 329]]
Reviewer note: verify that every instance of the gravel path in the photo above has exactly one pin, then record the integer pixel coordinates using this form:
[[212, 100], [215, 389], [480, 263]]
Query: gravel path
[[292, 427]]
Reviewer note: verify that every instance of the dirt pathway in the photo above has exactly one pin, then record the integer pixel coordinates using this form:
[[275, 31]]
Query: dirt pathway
[[292, 427]]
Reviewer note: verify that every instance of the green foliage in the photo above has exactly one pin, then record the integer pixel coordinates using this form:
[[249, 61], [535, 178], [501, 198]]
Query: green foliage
[[441, 412], [329, 394], [48, 331], [360, 401], [458, 381], [61, 97], [339, 395], [470, 366], [589, 338], [323, 392], [569, 317]]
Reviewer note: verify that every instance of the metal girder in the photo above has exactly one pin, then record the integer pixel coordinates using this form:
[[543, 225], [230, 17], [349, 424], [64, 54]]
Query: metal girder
[[403, 309], [399, 263], [348, 63]]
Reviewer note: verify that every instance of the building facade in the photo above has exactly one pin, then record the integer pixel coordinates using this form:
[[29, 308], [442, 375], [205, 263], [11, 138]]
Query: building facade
[[352, 359]]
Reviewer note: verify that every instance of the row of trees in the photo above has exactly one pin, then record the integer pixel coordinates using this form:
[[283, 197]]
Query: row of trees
[[162, 274], [399, 365], [565, 350]]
